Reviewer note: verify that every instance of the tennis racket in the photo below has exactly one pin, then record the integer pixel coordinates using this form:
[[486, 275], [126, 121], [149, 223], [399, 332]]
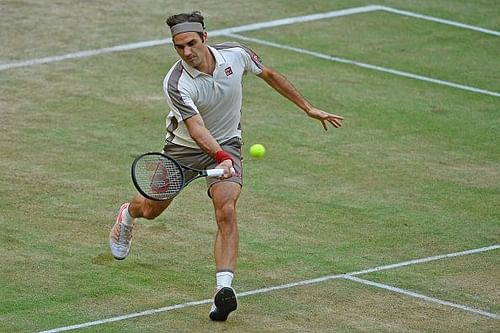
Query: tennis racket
[[159, 177]]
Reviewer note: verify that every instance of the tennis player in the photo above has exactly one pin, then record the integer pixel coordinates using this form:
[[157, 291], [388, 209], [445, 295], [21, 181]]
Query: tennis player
[[203, 90]]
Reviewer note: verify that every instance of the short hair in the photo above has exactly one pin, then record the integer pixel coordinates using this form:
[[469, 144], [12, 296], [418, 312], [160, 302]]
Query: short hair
[[194, 16]]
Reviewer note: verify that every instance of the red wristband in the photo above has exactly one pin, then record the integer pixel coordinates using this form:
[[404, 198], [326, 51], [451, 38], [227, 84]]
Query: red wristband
[[221, 155]]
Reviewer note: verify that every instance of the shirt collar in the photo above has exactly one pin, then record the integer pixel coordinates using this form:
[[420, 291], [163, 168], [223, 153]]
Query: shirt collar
[[219, 61]]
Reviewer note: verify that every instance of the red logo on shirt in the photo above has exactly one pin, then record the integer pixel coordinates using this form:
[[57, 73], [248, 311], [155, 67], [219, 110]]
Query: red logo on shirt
[[256, 58], [228, 71]]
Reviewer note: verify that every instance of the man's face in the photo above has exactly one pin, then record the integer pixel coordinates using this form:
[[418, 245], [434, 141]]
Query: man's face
[[191, 48]]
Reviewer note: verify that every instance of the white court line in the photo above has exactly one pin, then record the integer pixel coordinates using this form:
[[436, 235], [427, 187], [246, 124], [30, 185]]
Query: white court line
[[84, 54], [215, 33], [424, 260], [232, 32], [270, 289], [423, 297], [248, 27], [439, 20], [365, 65]]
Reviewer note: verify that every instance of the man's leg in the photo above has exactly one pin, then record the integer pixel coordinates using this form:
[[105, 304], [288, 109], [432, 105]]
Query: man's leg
[[120, 237], [224, 196], [141, 207]]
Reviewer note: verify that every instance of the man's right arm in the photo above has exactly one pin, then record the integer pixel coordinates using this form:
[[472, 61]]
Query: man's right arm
[[201, 135]]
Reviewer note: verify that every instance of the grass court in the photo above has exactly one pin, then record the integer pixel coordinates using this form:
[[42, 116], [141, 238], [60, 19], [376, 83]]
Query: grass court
[[390, 224]]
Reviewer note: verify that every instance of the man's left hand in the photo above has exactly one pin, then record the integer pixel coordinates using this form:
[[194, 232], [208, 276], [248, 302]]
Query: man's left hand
[[325, 117]]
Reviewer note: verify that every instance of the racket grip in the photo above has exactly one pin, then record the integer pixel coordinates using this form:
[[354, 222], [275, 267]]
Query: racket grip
[[215, 172], [218, 172]]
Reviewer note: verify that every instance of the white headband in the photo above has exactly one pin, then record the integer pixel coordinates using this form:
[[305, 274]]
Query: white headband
[[186, 27]]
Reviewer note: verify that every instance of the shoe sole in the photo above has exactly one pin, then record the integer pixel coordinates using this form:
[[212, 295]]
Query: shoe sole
[[117, 258], [226, 302]]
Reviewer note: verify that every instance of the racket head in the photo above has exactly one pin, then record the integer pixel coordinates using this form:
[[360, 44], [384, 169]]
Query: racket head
[[157, 176]]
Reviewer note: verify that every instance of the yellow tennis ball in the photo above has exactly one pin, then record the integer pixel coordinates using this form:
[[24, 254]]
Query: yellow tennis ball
[[257, 150]]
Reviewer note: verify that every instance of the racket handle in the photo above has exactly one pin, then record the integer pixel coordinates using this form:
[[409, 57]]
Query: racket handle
[[217, 172]]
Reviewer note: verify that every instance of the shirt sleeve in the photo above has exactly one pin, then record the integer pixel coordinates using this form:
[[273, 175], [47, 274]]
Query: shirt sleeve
[[253, 63], [178, 99]]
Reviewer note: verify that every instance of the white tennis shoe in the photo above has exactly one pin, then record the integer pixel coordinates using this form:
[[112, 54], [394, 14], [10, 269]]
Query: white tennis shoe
[[120, 237], [225, 302]]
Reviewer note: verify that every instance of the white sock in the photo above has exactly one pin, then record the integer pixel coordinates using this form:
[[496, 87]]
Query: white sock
[[224, 279], [126, 218]]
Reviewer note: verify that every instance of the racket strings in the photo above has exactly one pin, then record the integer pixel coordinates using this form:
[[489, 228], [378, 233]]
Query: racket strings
[[159, 177]]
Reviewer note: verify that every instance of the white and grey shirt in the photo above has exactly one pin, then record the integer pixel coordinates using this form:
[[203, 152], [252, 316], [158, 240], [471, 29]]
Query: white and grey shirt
[[217, 98]]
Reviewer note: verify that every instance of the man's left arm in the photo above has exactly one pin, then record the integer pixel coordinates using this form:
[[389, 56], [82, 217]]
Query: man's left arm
[[281, 84]]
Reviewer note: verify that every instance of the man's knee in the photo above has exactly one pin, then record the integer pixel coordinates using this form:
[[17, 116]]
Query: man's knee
[[225, 206], [226, 217]]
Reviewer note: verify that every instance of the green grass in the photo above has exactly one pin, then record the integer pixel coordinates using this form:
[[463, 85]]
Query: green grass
[[410, 44], [413, 173]]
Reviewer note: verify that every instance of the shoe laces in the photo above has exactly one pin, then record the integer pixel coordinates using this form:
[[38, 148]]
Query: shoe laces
[[122, 233]]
